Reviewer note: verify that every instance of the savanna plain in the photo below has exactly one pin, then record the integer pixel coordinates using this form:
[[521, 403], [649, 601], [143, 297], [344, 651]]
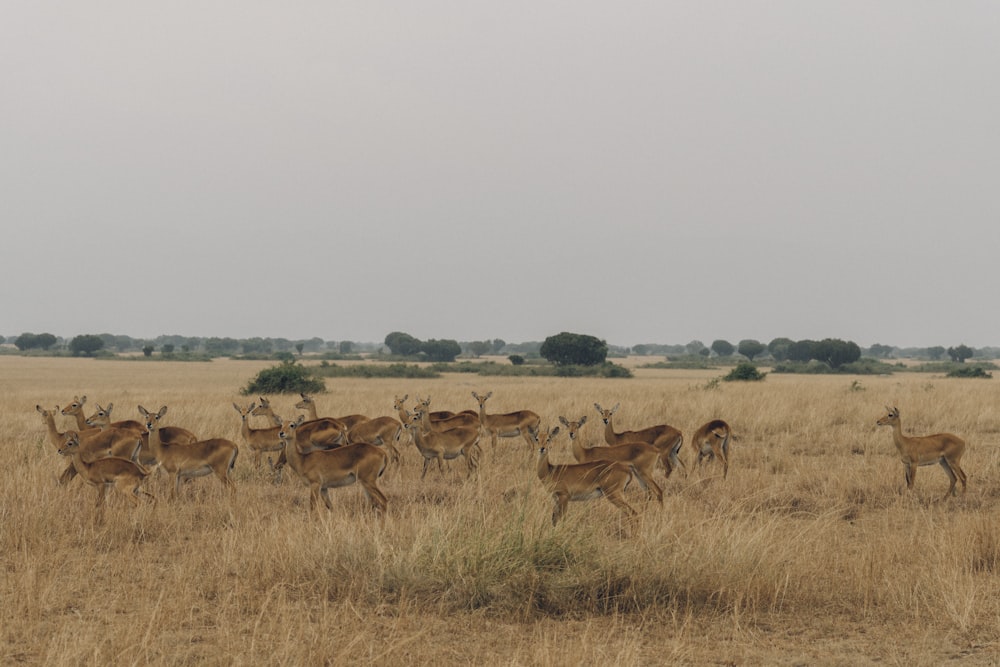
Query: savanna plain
[[811, 552]]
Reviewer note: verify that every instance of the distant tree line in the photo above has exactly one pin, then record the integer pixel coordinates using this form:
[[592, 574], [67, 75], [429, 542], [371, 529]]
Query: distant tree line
[[787, 349], [830, 350]]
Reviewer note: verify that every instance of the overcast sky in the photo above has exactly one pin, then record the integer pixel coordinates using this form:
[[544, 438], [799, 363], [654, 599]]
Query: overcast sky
[[645, 172]]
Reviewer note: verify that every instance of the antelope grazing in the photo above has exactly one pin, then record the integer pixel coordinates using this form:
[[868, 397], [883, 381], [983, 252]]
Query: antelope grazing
[[642, 457], [325, 432], [522, 423], [915, 451], [309, 405], [124, 475], [195, 459], [711, 441], [381, 431], [172, 434], [665, 438], [323, 469], [94, 443], [443, 445], [581, 481]]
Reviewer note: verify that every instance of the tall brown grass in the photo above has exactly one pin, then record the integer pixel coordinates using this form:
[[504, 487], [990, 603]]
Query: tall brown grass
[[810, 553]]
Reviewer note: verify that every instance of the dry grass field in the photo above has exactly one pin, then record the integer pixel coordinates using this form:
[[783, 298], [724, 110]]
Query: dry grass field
[[810, 553]]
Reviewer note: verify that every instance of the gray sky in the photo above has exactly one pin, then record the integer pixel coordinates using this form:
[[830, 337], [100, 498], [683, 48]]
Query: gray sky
[[645, 172]]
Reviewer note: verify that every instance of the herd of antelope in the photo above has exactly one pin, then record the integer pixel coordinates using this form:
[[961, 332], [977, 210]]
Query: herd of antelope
[[331, 452]]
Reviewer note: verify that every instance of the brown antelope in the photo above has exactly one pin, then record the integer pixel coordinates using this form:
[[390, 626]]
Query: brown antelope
[[443, 445], [381, 431], [665, 438], [325, 432], [522, 423], [642, 457], [56, 436], [711, 441], [124, 475], [172, 434], [75, 410], [445, 419], [323, 469], [399, 405], [194, 459], [94, 443], [581, 481], [915, 451], [259, 440], [309, 405], [102, 419], [439, 415]]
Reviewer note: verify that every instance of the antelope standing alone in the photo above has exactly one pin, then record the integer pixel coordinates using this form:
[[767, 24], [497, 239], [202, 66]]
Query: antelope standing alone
[[945, 449]]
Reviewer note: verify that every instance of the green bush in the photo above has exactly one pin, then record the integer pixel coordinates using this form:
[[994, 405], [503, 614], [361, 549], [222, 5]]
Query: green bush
[[948, 367], [288, 378], [969, 372], [377, 371], [744, 372], [686, 362]]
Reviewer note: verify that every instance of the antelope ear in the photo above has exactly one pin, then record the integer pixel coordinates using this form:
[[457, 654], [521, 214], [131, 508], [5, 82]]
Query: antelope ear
[[562, 420], [554, 432], [583, 420]]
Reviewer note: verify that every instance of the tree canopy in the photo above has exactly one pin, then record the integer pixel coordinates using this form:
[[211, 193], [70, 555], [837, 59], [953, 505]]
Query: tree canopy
[[960, 353], [723, 348], [30, 341], [750, 348], [571, 348], [86, 344], [441, 350], [402, 343]]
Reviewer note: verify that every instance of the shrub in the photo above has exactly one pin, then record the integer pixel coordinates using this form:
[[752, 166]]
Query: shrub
[[377, 371], [744, 372], [692, 361], [288, 378], [969, 372]]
